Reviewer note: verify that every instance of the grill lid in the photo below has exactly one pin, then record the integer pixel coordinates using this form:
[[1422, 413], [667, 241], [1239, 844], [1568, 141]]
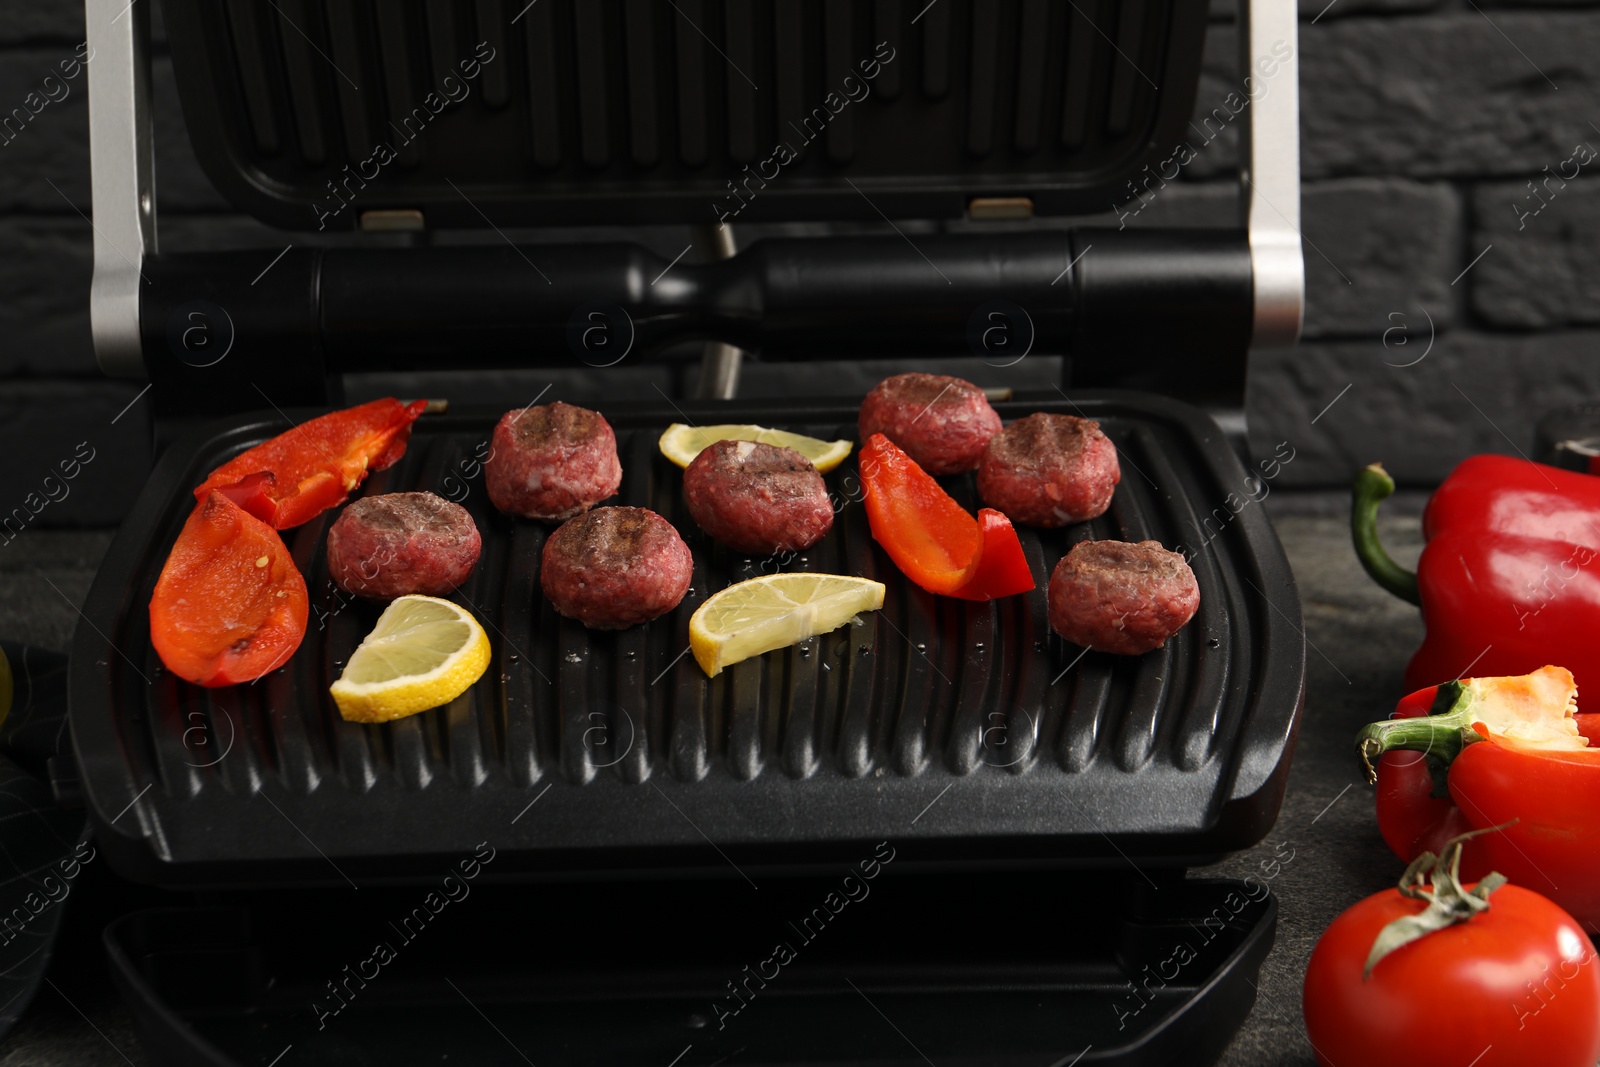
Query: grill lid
[[309, 114]]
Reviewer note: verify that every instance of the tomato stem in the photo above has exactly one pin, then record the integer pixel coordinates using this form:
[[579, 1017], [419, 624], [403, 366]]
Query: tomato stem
[[1449, 902]]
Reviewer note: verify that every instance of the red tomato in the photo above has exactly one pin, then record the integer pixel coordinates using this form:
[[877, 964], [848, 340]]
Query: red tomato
[[1514, 985]]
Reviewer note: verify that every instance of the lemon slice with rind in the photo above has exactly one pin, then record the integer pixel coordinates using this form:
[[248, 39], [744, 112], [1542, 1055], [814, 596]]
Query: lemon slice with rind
[[424, 652], [681, 443], [775, 611]]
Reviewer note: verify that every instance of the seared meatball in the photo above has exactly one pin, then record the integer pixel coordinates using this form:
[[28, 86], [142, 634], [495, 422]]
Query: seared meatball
[[612, 568], [757, 497], [1049, 470], [939, 421], [402, 543], [1114, 596], [551, 462]]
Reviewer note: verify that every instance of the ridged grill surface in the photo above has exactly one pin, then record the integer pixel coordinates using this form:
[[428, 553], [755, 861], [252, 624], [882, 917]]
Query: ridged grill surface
[[652, 103], [845, 737]]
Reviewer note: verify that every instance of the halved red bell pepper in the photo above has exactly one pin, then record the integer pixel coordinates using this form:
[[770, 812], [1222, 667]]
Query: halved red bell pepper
[[230, 604], [1002, 568], [1481, 752], [931, 537], [315, 465]]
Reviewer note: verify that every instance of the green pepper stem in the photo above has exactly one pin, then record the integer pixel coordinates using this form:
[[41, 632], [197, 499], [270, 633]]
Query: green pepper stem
[[1441, 734], [1373, 486]]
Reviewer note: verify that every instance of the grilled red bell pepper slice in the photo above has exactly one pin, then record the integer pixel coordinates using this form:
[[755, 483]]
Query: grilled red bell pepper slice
[[1510, 577], [230, 604], [1002, 568], [1481, 752], [254, 493], [928, 535], [315, 465]]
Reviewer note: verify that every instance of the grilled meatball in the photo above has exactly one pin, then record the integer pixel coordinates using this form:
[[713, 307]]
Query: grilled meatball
[[551, 462], [1114, 596], [939, 421], [611, 568], [401, 543], [1049, 470], [757, 497]]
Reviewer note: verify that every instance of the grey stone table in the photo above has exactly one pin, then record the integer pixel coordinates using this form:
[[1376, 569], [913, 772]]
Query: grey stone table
[[1323, 855]]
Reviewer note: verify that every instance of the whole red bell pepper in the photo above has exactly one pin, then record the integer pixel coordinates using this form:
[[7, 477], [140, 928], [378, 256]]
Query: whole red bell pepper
[[295, 476], [1485, 752], [933, 539], [1510, 577], [230, 604]]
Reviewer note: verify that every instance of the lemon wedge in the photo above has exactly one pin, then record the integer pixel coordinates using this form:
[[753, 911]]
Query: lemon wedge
[[424, 652], [682, 443], [775, 611]]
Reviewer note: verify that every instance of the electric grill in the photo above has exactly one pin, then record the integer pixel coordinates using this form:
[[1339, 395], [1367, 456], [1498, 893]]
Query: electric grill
[[605, 769]]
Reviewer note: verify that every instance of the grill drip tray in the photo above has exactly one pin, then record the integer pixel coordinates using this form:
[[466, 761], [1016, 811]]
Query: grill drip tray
[[966, 733], [968, 969]]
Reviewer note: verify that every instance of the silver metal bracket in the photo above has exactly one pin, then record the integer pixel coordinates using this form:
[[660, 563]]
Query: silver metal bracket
[[122, 173], [1269, 162], [720, 362]]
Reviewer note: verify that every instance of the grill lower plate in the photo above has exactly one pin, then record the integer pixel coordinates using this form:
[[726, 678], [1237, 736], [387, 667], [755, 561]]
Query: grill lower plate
[[968, 732]]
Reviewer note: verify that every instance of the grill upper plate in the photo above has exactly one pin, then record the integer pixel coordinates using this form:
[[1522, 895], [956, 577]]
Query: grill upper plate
[[968, 731], [309, 113]]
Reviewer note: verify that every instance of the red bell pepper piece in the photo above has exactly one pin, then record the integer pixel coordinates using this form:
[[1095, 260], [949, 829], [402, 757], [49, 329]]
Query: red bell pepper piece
[[932, 538], [928, 535], [1510, 577], [1002, 568], [230, 604], [315, 465], [253, 492], [1481, 752]]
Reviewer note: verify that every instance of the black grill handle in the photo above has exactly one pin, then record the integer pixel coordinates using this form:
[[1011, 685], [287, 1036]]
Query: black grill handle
[[1163, 310]]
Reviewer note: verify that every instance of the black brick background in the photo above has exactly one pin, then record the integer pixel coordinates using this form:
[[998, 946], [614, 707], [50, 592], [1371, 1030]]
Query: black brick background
[[1423, 121]]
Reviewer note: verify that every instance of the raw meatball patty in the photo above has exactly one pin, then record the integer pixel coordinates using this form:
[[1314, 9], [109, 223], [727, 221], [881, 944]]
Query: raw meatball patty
[[757, 497], [551, 462], [1114, 596], [402, 543], [941, 422], [1049, 470], [612, 568]]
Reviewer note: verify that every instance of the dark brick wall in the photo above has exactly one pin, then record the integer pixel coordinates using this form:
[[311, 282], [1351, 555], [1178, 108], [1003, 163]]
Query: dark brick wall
[[1423, 121]]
